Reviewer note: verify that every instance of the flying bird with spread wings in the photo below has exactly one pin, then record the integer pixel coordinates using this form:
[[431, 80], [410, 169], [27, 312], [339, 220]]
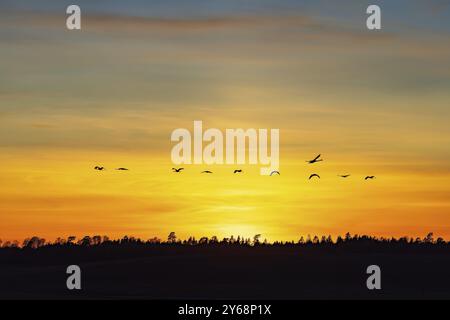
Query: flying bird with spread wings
[[206, 171], [177, 169], [99, 168], [316, 159], [369, 177], [122, 169], [237, 171], [313, 175], [275, 172], [344, 175]]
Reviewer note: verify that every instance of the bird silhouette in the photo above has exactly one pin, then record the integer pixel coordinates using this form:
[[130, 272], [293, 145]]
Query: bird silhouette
[[275, 172], [237, 171], [316, 159], [206, 171], [344, 175], [99, 168], [122, 169], [369, 177], [177, 170], [314, 175]]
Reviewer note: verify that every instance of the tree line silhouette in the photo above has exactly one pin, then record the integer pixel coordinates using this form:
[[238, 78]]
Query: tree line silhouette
[[172, 240]]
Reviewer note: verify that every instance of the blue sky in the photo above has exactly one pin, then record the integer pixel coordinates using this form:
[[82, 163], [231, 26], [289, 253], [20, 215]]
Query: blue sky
[[418, 13]]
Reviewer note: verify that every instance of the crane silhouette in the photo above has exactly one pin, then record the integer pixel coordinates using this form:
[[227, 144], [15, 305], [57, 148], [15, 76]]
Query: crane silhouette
[[316, 159]]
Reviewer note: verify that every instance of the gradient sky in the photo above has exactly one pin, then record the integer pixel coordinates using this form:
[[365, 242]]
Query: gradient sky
[[372, 103]]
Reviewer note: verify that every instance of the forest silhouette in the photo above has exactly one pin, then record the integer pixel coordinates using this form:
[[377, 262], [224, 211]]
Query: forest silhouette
[[36, 242], [312, 267]]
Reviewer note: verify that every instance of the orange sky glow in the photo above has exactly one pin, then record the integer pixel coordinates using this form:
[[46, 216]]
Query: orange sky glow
[[111, 95]]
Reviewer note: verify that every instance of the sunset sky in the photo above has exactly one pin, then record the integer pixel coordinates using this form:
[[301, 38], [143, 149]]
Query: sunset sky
[[371, 102]]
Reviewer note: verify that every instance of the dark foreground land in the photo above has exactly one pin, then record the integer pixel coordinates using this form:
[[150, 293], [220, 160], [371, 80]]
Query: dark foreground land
[[134, 271]]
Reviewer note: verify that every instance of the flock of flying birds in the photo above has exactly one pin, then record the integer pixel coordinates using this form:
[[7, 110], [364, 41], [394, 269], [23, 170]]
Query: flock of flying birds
[[207, 171], [103, 168], [314, 175]]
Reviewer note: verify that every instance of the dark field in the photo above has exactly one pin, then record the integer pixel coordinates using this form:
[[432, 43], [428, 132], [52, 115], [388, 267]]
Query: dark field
[[133, 271]]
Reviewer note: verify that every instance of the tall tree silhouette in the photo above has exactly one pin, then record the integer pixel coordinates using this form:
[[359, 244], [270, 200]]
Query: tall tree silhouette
[[172, 238]]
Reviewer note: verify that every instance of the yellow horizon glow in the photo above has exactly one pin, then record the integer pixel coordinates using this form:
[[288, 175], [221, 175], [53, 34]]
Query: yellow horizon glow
[[56, 193]]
